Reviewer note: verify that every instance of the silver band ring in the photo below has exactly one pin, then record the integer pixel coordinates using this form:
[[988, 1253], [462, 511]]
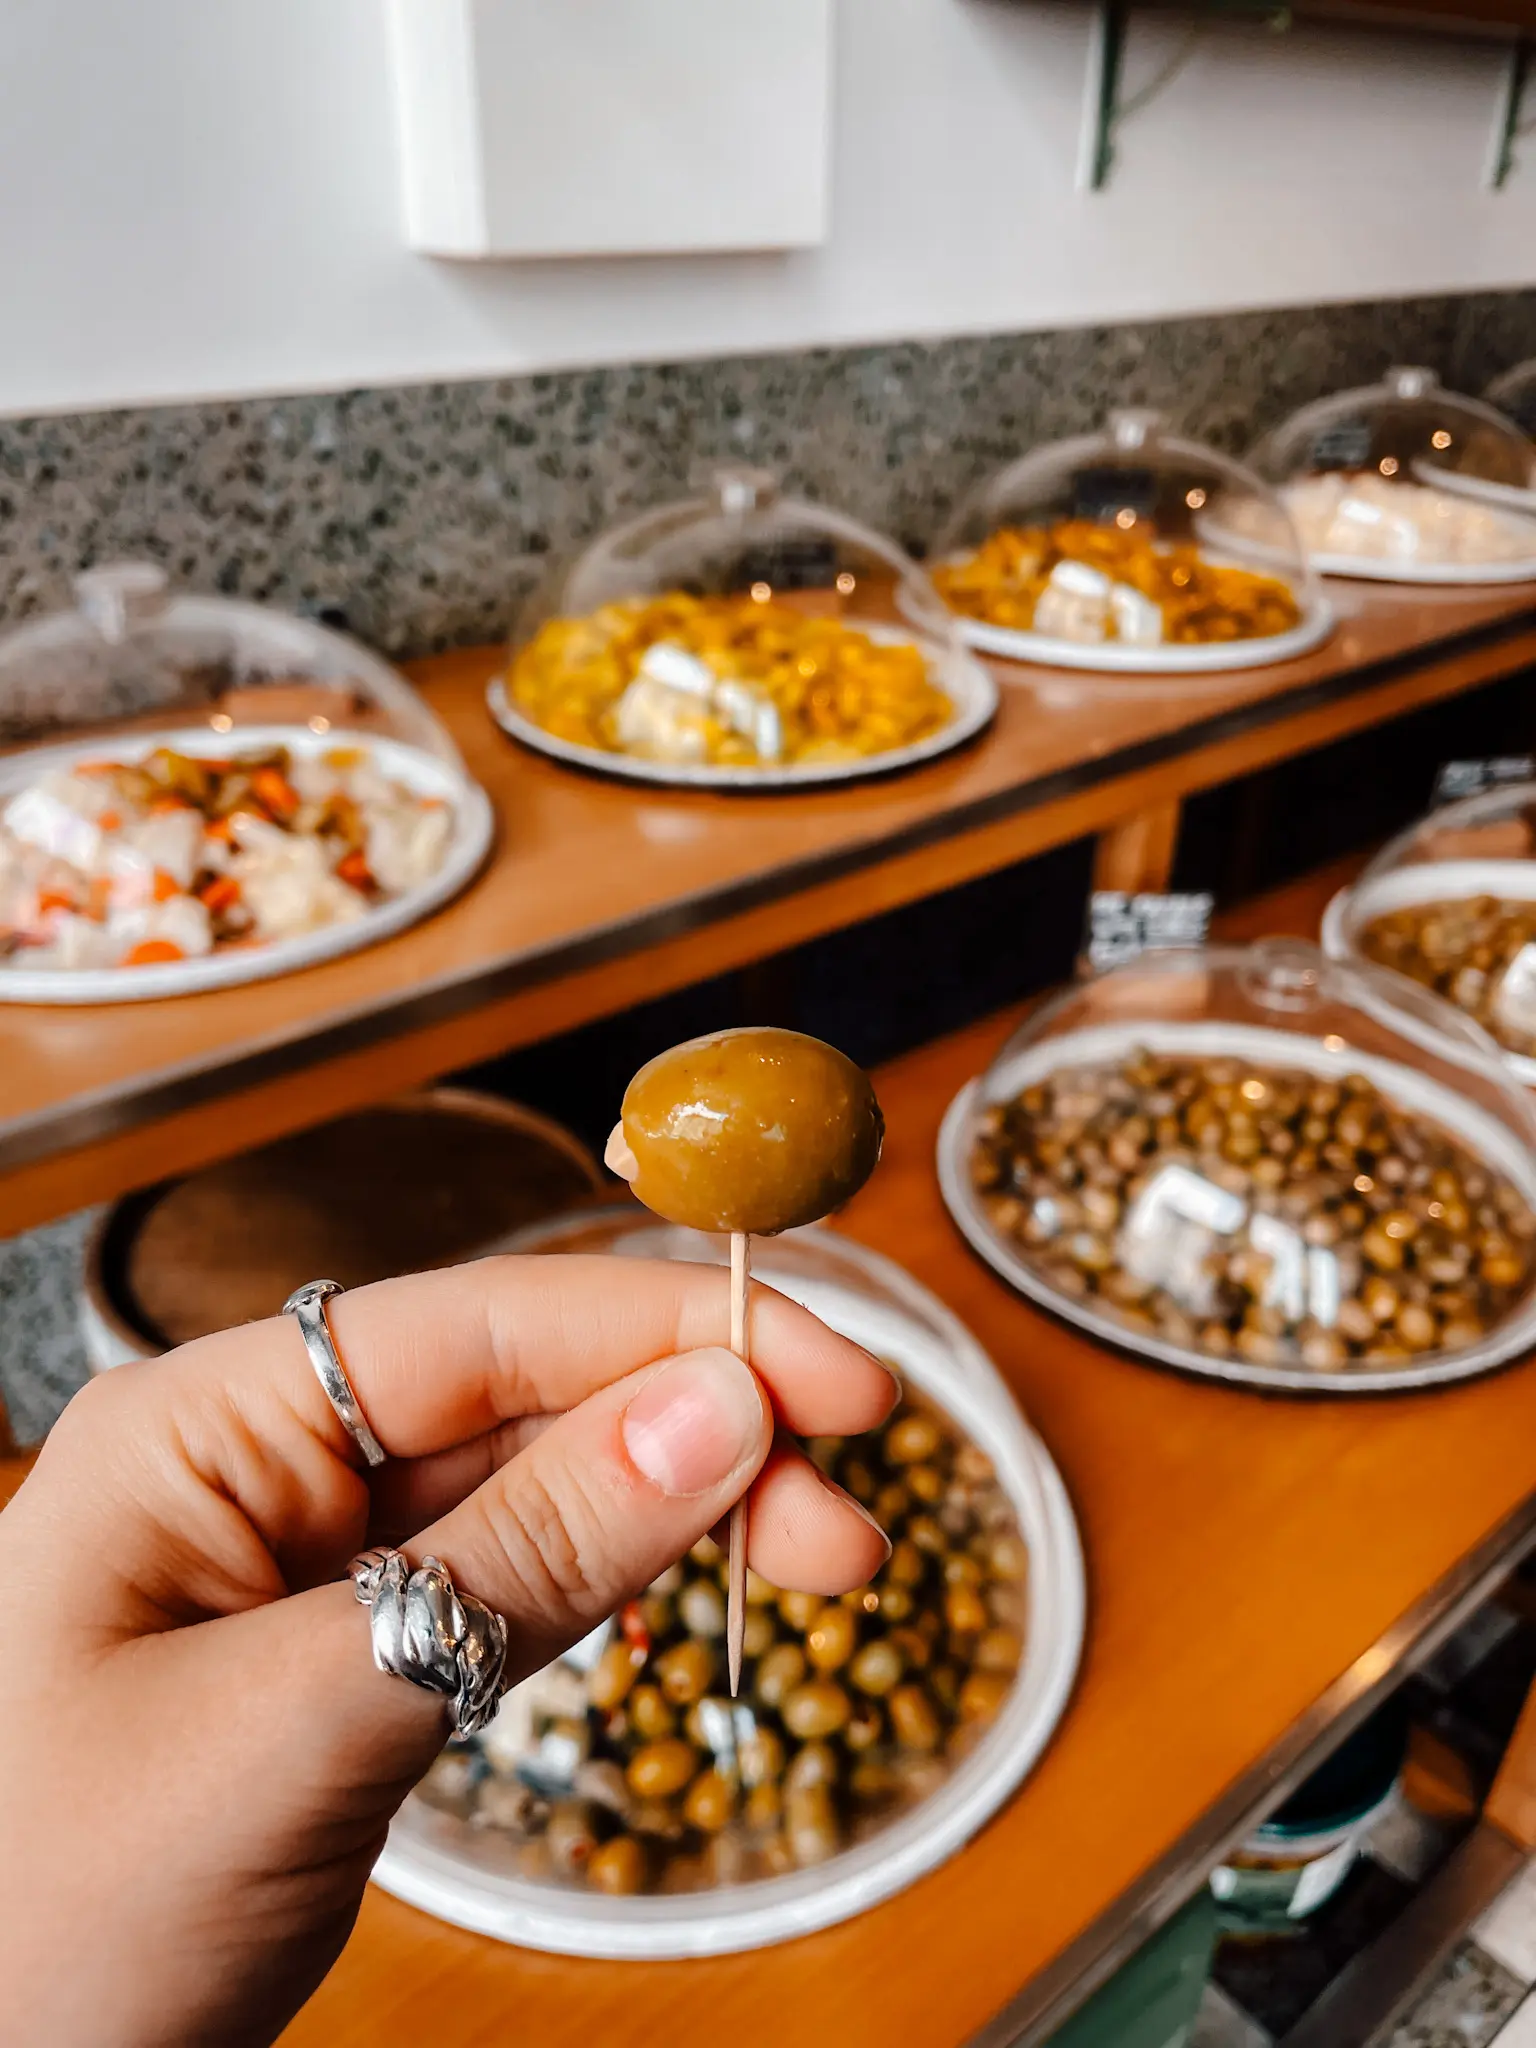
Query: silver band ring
[[307, 1307], [431, 1635]]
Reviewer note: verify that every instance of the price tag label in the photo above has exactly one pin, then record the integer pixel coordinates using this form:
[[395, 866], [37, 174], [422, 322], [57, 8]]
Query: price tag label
[[1346, 446], [1471, 778], [787, 564], [1120, 926]]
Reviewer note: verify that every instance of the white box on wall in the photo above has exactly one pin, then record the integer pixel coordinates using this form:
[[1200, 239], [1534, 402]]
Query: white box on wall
[[612, 127]]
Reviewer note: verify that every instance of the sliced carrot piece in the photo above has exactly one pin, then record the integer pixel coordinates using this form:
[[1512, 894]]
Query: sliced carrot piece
[[98, 899], [170, 803], [166, 886], [109, 821], [276, 792], [220, 828], [354, 869], [222, 893], [55, 899], [152, 952]]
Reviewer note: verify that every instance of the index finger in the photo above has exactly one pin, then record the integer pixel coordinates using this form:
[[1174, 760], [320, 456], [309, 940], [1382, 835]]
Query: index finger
[[438, 1358]]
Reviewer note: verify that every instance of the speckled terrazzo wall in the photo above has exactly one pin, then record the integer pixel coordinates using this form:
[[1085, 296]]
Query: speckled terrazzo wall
[[42, 1360], [425, 513]]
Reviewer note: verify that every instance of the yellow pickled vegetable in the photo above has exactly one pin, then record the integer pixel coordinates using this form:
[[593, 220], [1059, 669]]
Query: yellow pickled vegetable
[[840, 694], [1201, 601]]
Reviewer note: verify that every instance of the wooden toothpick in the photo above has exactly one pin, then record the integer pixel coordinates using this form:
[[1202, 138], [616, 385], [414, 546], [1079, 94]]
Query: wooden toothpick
[[736, 1596]]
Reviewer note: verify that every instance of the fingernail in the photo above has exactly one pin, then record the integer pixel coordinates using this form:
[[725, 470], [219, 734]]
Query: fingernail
[[848, 1501], [694, 1421], [889, 1370]]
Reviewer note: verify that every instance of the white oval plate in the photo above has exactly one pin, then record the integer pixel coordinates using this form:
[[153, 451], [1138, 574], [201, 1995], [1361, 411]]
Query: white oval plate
[[1430, 881], [1111, 658], [473, 828], [1362, 570], [1482, 490], [429, 1862], [965, 682], [1473, 1126]]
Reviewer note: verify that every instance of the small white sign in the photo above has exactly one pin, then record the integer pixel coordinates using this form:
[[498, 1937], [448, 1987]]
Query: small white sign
[[1121, 926], [1470, 778]]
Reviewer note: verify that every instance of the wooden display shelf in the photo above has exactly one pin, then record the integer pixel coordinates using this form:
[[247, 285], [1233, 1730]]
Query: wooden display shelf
[[600, 894], [1260, 1570]]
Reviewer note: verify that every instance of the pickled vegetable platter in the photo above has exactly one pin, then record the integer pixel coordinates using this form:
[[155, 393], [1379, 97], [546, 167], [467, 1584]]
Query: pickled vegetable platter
[[190, 859], [1383, 482], [740, 639], [1185, 599], [1101, 552], [738, 690], [622, 1804], [1404, 531]]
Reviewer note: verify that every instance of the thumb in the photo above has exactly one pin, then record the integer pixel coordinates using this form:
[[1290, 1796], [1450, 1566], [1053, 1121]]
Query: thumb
[[606, 1498]]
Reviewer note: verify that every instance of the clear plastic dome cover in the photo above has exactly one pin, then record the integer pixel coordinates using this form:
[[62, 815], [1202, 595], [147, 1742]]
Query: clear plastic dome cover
[[1406, 481], [196, 791], [623, 1804], [1258, 1163], [135, 653], [1451, 904], [741, 634], [1132, 549], [1514, 394]]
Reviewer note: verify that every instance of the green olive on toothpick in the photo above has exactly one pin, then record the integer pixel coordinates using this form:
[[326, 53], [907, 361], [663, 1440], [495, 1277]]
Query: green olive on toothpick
[[749, 1132]]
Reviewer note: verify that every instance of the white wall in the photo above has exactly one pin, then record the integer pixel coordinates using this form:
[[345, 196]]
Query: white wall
[[198, 197]]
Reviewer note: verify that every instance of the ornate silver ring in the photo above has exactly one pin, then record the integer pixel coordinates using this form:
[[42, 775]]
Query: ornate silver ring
[[307, 1307], [432, 1636]]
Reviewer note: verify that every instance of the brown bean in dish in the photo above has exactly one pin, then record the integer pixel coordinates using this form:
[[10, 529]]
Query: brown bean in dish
[[1263, 1213], [642, 1775]]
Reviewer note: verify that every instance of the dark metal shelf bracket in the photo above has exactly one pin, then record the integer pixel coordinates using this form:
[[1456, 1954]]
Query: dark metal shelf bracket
[[1508, 129], [1106, 108]]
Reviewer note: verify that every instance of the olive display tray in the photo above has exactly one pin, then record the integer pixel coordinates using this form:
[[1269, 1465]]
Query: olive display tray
[[1473, 1127], [967, 684], [440, 1864], [1438, 881]]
